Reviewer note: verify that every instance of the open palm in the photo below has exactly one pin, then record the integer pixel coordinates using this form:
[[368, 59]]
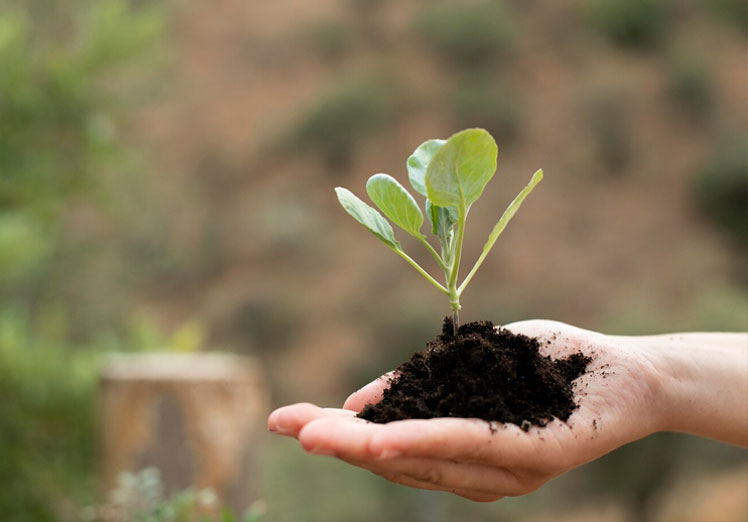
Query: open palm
[[618, 403]]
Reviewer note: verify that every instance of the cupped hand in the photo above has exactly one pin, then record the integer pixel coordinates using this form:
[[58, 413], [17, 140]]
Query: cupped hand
[[618, 398]]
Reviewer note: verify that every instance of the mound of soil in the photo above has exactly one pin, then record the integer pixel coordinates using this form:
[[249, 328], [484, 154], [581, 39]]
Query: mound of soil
[[483, 372]]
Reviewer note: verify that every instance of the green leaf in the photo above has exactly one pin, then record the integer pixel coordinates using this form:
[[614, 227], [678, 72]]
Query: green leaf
[[419, 161], [441, 218], [396, 203], [367, 216], [512, 209], [503, 221], [460, 169]]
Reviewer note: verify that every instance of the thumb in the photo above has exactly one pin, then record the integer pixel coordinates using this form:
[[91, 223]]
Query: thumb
[[369, 394]]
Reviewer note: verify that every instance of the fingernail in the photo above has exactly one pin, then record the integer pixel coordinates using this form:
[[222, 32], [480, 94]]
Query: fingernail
[[322, 451], [390, 454], [277, 429]]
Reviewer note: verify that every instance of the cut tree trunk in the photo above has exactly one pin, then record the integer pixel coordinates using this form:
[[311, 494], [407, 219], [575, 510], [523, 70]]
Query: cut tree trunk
[[195, 417]]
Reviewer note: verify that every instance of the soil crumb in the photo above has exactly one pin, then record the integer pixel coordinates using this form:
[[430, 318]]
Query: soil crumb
[[484, 373]]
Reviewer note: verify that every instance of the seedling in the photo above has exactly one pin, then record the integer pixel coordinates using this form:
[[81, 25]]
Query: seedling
[[451, 174]]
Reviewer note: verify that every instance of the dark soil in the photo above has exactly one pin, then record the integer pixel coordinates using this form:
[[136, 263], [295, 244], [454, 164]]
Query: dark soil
[[485, 373]]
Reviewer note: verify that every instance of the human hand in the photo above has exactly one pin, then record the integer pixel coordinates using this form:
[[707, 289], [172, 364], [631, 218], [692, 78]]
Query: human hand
[[619, 398]]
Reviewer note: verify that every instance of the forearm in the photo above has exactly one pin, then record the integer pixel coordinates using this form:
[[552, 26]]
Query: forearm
[[704, 382]]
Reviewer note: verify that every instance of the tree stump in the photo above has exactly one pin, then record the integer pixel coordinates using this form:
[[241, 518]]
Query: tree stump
[[198, 418]]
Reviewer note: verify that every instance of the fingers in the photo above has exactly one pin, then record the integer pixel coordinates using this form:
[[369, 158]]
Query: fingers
[[545, 329], [369, 394], [463, 440], [464, 456], [405, 480], [289, 420], [446, 475], [540, 327]]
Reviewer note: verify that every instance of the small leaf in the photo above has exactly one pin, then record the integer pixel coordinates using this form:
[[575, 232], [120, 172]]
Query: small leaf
[[367, 216], [511, 210], [396, 203], [460, 169], [508, 214], [441, 218], [419, 161]]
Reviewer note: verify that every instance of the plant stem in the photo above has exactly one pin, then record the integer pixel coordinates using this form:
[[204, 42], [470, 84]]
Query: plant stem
[[420, 270], [458, 249], [454, 269], [433, 252]]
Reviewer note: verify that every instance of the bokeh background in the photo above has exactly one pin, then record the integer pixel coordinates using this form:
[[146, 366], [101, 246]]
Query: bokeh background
[[166, 176]]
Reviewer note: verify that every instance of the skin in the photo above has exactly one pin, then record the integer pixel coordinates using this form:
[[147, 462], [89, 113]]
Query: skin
[[695, 383]]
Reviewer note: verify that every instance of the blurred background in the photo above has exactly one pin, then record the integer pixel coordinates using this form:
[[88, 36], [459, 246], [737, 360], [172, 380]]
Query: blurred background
[[166, 183]]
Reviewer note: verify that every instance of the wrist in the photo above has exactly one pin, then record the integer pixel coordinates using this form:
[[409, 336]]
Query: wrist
[[703, 384]]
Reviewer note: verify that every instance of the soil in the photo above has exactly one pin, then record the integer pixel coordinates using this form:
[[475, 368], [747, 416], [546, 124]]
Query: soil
[[484, 373]]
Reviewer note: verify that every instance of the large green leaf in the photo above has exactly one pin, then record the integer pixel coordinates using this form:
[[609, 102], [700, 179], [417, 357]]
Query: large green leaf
[[460, 169], [419, 161], [367, 216], [396, 203]]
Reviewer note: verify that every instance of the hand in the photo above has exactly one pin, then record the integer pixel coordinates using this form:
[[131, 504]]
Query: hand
[[620, 400]]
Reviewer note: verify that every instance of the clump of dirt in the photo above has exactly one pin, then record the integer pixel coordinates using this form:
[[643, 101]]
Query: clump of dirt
[[485, 373]]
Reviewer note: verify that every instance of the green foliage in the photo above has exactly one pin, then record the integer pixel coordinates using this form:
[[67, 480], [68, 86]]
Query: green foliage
[[47, 434], [609, 122], [442, 219], [343, 120], [419, 161], [61, 102], [732, 12], [509, 214], [367, 216], [140, 497], [332, 40], [396, 203], [630, 23], [60, 107], [56, 127], [453, 174], [690, 89], [469, 36], [720, 189], [22, 247], [460, 169]]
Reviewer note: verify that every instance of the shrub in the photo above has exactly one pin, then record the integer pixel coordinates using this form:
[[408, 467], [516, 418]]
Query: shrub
[[630, 23], [47, 447], [608, 121], [732, 12], [140, 497], [342, 121], [332, 40], [720, 189], [466, 35], [690, 89]]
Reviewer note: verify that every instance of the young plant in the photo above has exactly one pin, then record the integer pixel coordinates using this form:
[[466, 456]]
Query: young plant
[[451, 174]]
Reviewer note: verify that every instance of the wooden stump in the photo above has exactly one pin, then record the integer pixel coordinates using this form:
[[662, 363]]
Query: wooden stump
[[198, 418]]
